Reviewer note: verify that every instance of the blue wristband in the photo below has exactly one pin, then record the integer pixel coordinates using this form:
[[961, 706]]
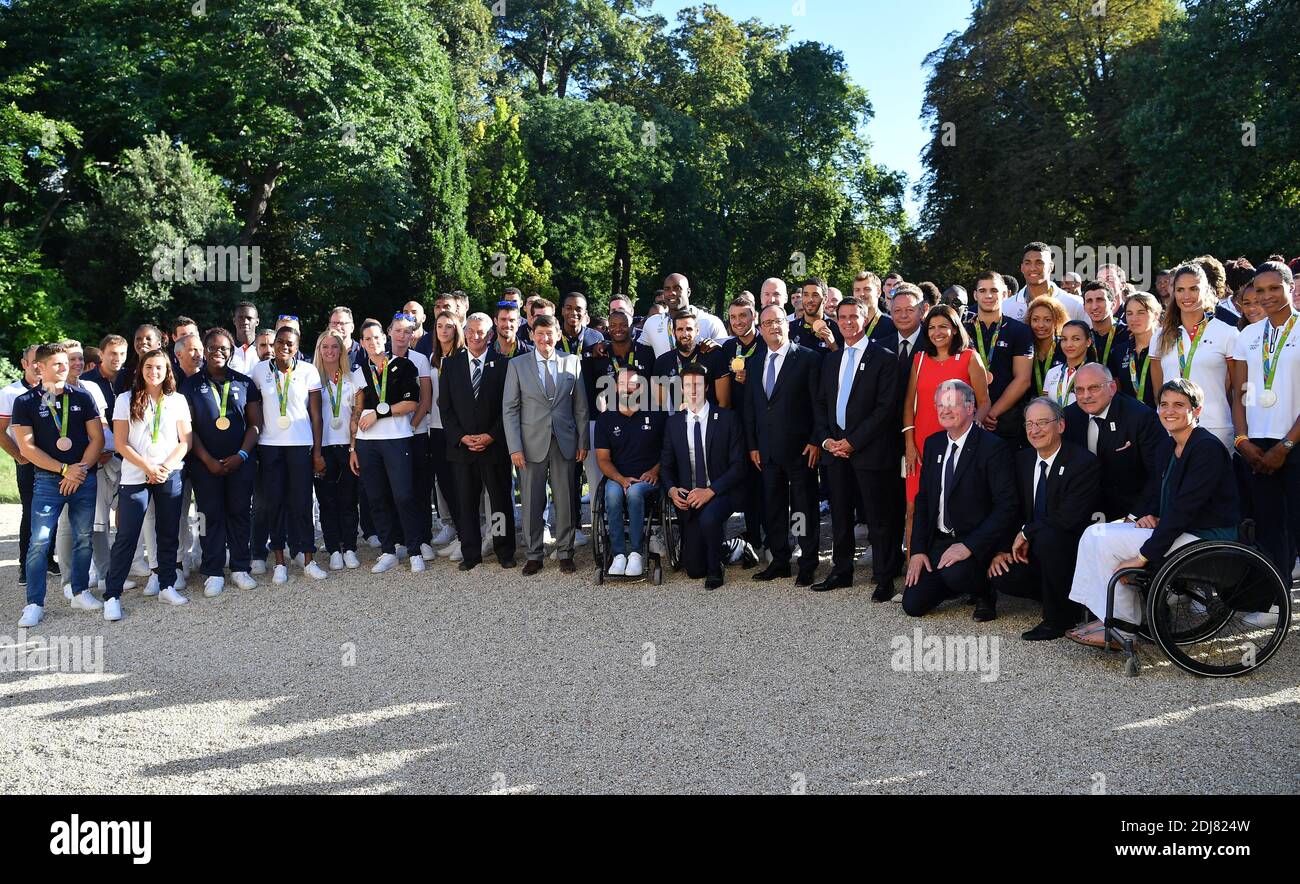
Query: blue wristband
[[243, 454]]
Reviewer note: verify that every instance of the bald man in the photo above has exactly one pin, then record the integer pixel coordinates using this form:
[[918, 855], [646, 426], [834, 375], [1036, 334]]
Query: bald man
[[658, 331]]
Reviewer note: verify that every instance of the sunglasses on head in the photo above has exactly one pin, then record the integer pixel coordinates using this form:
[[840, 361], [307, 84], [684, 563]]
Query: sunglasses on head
[[285, 317], [409, 317]]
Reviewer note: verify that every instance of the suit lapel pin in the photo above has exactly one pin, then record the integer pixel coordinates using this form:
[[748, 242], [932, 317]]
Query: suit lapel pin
[[1061, 471], [1112, 426]]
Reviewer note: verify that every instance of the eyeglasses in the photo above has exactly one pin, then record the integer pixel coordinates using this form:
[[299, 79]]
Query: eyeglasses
[[773, 323], [1040, 425]]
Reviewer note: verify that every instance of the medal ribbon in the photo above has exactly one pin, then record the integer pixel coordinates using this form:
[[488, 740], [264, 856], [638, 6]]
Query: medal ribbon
[[873, 325], [381, 385], [60, 422], [1067, 374], [1139, 386], [1272, 352], [979, 340], [335, 402], [282, 395], [1041, 367], [1185, 364], [1110, 339], [157, 418], [221, 400]]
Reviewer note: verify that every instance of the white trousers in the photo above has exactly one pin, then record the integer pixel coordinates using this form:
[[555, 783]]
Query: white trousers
[[1101, 548]]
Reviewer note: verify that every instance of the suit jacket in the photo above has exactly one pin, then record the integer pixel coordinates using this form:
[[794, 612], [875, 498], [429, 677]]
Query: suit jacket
[[1129, 472], [724, 453], [531, 419], [1201, 493], [465, 415], [1073, 488], [983, 496], [780, 427], [872, 410]]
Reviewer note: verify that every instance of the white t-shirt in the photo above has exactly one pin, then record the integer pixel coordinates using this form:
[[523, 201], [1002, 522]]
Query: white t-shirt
[[243, 360], [658, 332], [1057, 377], [97, 394], [1275, 422], [9, 395], [174, 410], [347, 396], [422, 365], [389, 426], [1017, 305], [434, 421], [1209, 368], [303, 381]]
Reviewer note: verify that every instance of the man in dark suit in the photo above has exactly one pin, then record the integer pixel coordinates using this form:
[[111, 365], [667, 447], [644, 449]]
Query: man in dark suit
[[702, 468], [965, 508], [469, 398], [781, 428], [857, 422], [1059, 483], [1123, 434]]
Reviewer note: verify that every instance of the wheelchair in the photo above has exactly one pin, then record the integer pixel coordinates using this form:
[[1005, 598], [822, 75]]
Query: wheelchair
[[658, 519], [1197, 604]]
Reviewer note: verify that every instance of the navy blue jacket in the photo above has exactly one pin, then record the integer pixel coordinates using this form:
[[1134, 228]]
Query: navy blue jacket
[[725, 455]]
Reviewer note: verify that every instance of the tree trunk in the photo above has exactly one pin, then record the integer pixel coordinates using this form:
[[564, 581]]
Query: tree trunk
[[258, 199]]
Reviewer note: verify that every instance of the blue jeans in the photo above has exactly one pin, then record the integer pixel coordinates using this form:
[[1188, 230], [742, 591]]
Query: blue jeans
[[132, 504], [47, 504], [635, 496]]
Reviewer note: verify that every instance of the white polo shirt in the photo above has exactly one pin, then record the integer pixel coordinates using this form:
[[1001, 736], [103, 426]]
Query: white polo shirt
[[1275, 422], [1209, 369], [1017, 305], [658, 331], [303, 381], [174, 410]]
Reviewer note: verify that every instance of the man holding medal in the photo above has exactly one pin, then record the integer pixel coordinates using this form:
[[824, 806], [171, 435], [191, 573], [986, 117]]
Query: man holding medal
[[26, 473], [811, 329], [1266, 414], [388, 393], [1006, 347], [742, 318], [59, 431], [225, 411], [690, 351]]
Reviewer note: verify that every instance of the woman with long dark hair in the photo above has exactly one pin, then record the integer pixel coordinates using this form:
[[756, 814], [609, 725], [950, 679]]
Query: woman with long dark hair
[[151, 428]]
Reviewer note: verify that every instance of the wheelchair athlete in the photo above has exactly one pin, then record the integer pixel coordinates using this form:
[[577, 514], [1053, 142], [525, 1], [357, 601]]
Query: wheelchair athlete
[[1197, 501], [629, 440]]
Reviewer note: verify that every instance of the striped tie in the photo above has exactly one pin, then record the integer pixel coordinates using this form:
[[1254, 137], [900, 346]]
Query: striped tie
[[476, 376]]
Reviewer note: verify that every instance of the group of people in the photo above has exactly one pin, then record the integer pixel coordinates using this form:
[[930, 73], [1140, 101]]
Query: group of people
[[1027, 442]]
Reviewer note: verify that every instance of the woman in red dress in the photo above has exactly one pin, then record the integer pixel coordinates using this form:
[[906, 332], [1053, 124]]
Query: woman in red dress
[[943, 354]]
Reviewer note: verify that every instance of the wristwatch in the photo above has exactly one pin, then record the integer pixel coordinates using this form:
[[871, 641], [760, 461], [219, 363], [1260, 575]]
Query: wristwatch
[[1288, 444]]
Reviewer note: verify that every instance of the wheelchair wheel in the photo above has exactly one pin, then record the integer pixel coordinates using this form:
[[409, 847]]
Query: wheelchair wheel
[[599, 532], [671, 533], [1209, 608]]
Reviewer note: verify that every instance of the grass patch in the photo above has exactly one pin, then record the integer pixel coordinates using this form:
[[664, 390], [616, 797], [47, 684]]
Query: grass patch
[[8, 479]]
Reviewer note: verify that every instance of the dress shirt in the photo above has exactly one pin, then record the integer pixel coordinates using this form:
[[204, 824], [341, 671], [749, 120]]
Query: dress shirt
[[948, 442], [1094, 432], [702, 417]]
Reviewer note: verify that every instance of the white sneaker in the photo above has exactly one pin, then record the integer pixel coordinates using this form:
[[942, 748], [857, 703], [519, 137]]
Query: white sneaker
[[280, 575], [373, 540], [579, 539], [172, 597], [1263, 619], [84, 601], [32, 615], [112, 610], [417, 564], [336, 561], [313, 570], [454, 553], [350, 559], [151, 588], [243, 580], [428, 552], [445, 536], [385, 563], [126, 584], [635, 567], [259, 566], [618, 567], [214, 586], [67, 591], [400, 551]]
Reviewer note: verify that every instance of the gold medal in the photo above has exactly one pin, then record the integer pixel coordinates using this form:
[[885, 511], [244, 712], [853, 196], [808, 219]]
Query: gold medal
[[283, 422], [223, 423], [737, 365]]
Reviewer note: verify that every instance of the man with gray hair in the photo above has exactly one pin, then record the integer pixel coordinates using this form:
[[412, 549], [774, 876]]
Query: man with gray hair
[[1059, 483], [189, 355], [965, 509]]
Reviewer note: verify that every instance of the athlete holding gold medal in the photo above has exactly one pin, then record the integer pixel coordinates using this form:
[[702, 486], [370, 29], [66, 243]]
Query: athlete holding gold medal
[[290, 450], [226, 411]]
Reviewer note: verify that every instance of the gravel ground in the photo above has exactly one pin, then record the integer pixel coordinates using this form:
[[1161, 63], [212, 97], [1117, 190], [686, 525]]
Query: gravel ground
[[486, 682]]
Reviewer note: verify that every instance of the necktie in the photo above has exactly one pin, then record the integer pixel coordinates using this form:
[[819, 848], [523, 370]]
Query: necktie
[[1094, 433], [949, 468], [550, 381], [701, 477], [476, 376], [905, 355], [1040, 493], [770, 381], [846, 386]]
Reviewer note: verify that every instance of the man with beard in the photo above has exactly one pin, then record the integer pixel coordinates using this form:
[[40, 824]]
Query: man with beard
[[668, 367]]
